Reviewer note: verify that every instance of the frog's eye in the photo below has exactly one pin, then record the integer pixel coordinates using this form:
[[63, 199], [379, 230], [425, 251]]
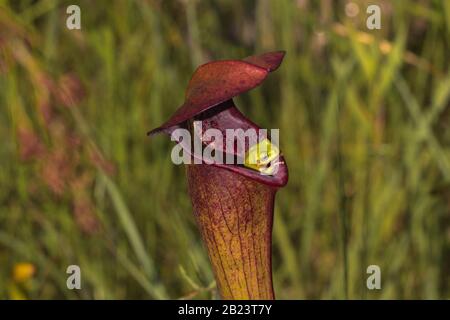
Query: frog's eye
[[260, 155], [268, 169]]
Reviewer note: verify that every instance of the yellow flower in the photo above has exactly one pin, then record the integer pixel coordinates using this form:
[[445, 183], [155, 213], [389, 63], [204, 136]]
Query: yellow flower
[[23, 271]]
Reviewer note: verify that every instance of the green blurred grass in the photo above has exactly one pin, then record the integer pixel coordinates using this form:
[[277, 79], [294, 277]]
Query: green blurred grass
[[364, 123]]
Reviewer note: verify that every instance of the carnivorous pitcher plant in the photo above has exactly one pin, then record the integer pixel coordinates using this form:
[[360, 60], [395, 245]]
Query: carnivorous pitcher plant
[[233, 202]]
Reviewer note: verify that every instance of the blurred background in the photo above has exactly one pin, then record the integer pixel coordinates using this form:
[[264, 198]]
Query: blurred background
[[364, 124]]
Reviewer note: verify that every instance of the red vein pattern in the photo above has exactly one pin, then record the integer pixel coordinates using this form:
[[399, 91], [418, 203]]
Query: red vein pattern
[[234, 214]]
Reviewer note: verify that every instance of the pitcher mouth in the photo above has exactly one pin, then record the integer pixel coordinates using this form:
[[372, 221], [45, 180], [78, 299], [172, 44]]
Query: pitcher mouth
[[209, 99], [259, 160]]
